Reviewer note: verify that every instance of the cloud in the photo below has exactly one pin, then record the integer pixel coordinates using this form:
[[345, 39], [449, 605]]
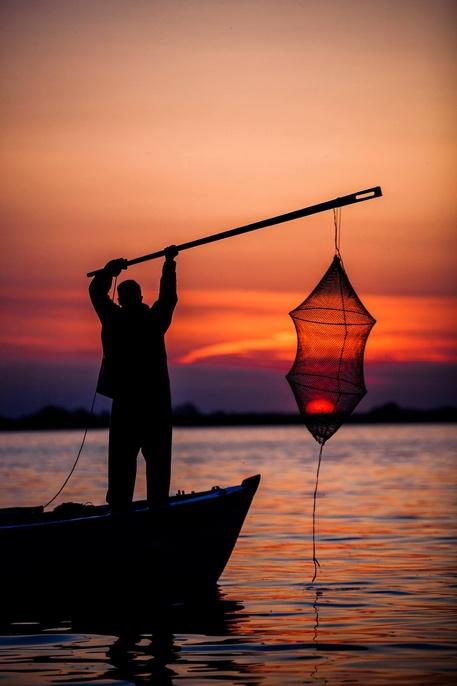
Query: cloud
[[239, 326], [250, 328], [278, 347], [228, 349]]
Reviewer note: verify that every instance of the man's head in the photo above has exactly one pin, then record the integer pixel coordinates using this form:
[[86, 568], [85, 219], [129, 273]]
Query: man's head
[[129, 293]]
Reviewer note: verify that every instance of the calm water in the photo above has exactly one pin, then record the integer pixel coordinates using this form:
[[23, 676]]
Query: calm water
[[383, 608]]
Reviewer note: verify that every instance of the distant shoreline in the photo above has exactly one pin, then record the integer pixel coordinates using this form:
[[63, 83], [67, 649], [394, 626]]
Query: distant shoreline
[[55, 418]]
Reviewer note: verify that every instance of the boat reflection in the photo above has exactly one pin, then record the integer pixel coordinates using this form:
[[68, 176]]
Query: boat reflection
[[131, 662], [142, 641]]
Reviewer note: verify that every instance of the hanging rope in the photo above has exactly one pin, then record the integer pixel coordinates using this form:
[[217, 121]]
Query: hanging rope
[[77, 458], [315, 560], [337, 224], [85, 431]]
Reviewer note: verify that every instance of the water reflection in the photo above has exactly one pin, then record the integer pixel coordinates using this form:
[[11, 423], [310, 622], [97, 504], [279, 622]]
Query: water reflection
[[316, 615], [130, 640], [160, 651], [383, 610], [136, 642]]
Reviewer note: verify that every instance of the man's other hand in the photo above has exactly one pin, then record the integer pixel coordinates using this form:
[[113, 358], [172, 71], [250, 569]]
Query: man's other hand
[[114, 267]]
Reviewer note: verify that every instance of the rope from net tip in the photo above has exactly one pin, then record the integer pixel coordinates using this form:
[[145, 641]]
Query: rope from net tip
[[315, 560]]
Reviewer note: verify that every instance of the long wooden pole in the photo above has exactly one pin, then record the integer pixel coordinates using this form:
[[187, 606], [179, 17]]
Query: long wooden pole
[[360, 196]]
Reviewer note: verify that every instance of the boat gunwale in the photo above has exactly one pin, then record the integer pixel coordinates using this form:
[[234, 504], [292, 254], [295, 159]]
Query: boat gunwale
[[249, 484]]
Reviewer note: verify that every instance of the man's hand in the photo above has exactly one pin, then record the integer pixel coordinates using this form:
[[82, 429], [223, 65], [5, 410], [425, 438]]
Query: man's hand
[[170, 252], [114, 267]]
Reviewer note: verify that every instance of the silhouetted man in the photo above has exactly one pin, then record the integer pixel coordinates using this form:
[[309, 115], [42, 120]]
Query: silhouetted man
[[134, 374]]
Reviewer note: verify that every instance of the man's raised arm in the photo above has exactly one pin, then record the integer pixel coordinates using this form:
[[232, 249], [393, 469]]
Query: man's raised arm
[[100, 285], [168, 296]]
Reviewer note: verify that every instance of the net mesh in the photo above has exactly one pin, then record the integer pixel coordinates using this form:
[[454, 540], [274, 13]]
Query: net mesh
[[327, 377]]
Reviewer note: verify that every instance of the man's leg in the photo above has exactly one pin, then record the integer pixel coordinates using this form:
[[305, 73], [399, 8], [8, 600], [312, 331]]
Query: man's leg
[[157, 453], [124, 444]]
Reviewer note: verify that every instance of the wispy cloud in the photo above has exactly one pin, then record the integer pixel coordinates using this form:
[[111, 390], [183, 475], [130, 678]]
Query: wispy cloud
[[234, 326], [252, 328]]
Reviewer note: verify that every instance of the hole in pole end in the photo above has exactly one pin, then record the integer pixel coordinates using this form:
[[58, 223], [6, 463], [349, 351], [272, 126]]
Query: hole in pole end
[[375, 192]]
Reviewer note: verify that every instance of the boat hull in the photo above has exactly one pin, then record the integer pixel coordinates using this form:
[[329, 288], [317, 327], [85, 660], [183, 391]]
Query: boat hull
[[173, 551]]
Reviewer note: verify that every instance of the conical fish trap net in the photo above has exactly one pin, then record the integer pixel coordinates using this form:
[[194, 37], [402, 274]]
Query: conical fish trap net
[[327, 376]]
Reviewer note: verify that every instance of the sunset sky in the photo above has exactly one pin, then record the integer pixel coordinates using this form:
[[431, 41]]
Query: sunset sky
[[130, 125]]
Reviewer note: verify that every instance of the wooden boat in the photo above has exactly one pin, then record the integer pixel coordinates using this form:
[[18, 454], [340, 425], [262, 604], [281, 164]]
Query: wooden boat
[[173, 551]]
